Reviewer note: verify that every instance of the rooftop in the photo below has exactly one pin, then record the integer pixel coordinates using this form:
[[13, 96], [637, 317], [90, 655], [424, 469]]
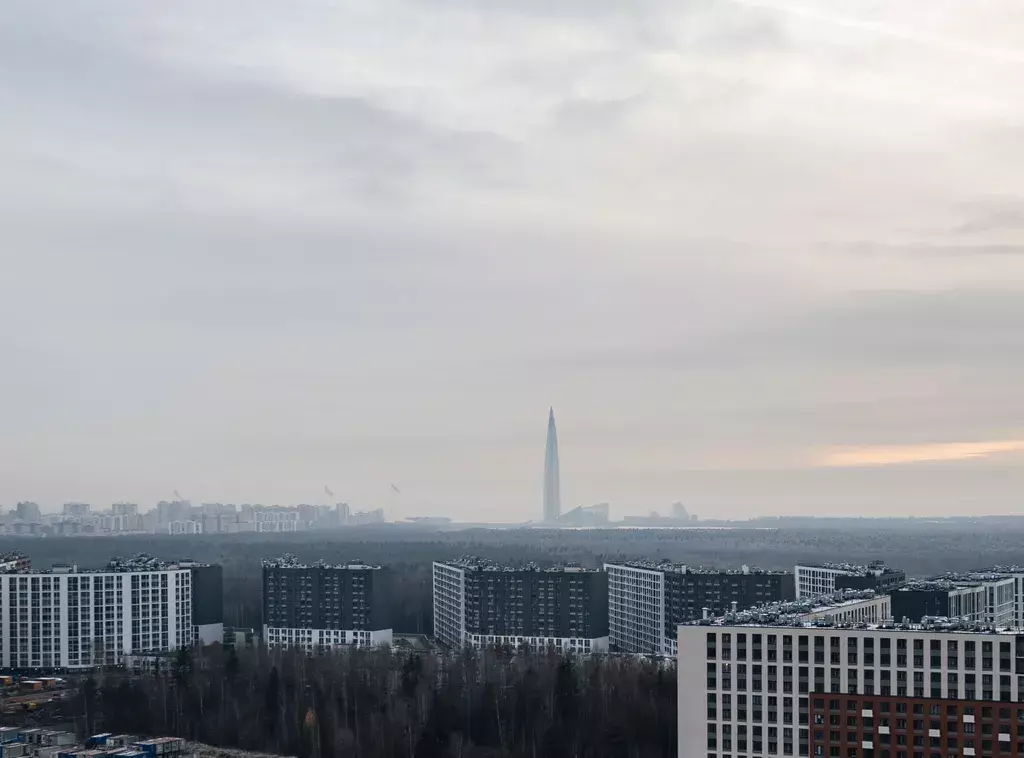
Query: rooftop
[[475, 563], [934, 625], [141, 562], [953, 581], [682, 568], [794, 611], [875, 568], [289, 561]]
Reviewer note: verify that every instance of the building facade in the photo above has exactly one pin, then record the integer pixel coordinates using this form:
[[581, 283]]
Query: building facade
[[980, 597], [868, 691], [72, 619], [207, 602], [323, 606], [480, 604], [648, 601], [826, 578]]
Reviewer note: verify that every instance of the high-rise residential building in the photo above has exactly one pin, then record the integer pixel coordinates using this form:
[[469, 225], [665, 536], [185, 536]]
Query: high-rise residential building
[[207, 602], [648, 601], [322, 605], [989, 598], [77, 510], [28, 512], [796, 688], [814, 580], [72, 619], [479, 603], [552, 476], [130, 510]]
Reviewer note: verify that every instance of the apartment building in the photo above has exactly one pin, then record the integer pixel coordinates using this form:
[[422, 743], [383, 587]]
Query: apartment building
[[797, 688], [68, 618], [815, 580], [648, 601], [323, 605], [480, 603], [207, 602], [981, 597]]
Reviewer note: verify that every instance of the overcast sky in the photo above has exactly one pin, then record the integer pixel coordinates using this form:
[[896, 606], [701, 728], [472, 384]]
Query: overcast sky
[[761, 257]]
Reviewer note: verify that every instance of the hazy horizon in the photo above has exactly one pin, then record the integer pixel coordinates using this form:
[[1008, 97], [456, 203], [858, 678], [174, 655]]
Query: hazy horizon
[[763, 258]]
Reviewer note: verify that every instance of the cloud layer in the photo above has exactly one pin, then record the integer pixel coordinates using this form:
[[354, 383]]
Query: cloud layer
[[252, 248]]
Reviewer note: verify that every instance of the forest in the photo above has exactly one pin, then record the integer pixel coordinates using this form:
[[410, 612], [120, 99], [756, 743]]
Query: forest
[[921, 548], [395, 704]]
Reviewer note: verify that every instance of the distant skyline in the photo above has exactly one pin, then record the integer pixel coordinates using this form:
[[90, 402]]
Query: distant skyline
[[764, 257]]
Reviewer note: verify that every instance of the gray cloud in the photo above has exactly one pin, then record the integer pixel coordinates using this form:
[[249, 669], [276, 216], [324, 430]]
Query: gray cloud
[[250, 248]]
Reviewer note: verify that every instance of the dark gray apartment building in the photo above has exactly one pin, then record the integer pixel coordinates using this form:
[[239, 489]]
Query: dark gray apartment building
[[325, 605], [480, 603]]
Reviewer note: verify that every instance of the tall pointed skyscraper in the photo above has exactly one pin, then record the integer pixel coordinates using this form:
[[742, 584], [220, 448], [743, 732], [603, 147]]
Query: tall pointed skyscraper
[[552, 482]]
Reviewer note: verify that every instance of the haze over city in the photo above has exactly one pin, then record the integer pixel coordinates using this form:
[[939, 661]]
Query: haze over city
[[763, 258]]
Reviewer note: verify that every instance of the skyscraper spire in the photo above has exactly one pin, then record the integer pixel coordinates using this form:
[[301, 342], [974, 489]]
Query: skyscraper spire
[[552, 481]]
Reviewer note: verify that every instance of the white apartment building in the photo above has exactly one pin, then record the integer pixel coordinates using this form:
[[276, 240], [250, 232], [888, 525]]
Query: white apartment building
[[70, 619], [647, 601], [450, 604], [801, 689], [822, 579], [636, 609]]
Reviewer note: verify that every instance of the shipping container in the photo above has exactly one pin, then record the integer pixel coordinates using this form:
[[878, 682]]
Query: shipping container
[[13, 750]]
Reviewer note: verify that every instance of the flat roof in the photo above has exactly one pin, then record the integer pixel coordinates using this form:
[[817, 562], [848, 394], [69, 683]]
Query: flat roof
[[289, 561], [934, 626], [874, 568], [476, 563], [669, 567]]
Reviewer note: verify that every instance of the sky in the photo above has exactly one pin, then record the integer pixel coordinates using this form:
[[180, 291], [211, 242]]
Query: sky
[[762, 257]]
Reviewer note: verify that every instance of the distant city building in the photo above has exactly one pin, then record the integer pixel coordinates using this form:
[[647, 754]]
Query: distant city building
[[593, 515], [322, 605], [479, 603], [826, 578], [552, 476], [991, 598], [679, 512], [435, 521], [648, 601], [28, 512], [130, 510], [359, 518], [182, 527], [77, 510], [176, 510]]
